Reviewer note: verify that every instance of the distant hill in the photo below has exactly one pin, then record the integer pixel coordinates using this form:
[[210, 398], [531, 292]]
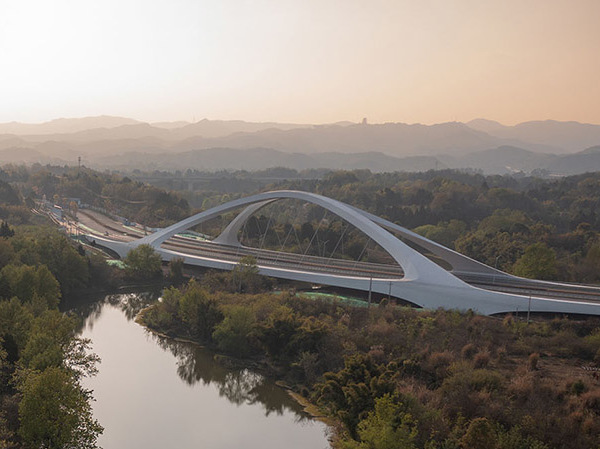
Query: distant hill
[[394, 139], [27, 156], [481, 144], [587, 160], [65, 125], [221, 128], [487, 126], [261, 158], [502, 160], [563, 137]]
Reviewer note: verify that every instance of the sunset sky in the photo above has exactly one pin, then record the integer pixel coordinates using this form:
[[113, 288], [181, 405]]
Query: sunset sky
[[305, 61]]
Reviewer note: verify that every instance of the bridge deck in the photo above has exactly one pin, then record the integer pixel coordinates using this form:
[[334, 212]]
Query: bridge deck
[[285, 260], [499, 283]]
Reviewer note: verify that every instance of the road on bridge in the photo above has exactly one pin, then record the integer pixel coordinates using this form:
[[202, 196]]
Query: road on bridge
[[90, 221]]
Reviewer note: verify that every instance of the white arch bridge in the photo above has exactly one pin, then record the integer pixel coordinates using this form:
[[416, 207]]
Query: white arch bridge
[[467, 285]]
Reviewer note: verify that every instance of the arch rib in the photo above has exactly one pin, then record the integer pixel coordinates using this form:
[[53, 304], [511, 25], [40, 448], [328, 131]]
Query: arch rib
[[415, 265]]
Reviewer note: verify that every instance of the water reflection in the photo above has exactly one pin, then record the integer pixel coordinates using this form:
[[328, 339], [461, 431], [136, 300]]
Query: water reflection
[[130, 304], [196, 364], [239, 386]]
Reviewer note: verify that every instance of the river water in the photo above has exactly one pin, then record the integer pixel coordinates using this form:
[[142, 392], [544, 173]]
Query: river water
[[153, 392]]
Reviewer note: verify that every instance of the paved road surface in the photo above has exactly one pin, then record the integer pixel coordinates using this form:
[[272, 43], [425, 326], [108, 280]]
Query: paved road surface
[[508, 284]]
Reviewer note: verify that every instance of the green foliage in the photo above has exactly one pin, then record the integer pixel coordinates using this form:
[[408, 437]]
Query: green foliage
[[233, 334], [6, 231], [445, 233], [176, 270], [198, 311], [432, 374], [351, 393], [49, 339], [8, 195], [30, 283], [538, 262], [41, 359], [43, 246], [55, 412], [143, 263], [386, 427], [480, 435], [245, 277], [15, 320]]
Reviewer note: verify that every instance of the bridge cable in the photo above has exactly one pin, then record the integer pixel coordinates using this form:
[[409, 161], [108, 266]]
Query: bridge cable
[[285, 241], [257, 221], [297, 238], [314, 235], [266, 230], [277, 235], [338, 242], [362, 252]]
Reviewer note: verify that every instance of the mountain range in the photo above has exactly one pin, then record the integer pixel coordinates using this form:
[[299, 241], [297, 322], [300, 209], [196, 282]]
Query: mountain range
[[116, 142]]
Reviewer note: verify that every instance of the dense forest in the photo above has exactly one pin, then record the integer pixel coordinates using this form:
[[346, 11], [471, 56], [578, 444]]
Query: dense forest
[[548, 229], [395, 377], [390, 376], [527, 226], [113, 193], [42, 403]]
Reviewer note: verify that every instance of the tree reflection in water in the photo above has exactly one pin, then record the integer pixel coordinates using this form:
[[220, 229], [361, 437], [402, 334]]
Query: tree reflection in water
[[239, 386], [196, 364], [129, 303]]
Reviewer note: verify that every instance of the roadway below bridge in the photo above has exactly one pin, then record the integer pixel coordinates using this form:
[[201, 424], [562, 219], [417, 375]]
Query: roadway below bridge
[[102, 225]]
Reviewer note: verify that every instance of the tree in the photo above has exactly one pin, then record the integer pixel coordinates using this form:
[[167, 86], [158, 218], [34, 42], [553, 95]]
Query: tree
[[29, 283], [231, 334], [176, 270], [245, 275], [143, 263], [55, 412], [201, 313], [386, 427], [50, 338], [479, 435], [6, 231], [538, 262]]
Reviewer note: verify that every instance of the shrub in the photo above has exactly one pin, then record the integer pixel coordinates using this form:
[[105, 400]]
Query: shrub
[[468, 351], [532, 361], [482, 359], [143, 263], [578, 387], [232, 334]]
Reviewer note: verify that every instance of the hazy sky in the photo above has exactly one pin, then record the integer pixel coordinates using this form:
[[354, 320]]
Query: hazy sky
[[311, 61]]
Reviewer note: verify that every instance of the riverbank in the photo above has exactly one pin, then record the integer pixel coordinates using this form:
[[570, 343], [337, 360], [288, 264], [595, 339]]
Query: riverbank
[[259, 365], [424, 377], [153, 392]]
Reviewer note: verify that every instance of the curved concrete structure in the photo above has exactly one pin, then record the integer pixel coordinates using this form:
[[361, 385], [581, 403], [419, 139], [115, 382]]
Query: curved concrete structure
[[459, 262], [424, 283]]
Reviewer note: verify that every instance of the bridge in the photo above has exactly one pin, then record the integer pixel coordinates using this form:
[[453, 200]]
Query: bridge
[[468, 284]]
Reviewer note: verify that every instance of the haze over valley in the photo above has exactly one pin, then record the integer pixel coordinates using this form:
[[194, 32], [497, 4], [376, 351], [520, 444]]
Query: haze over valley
[[106, 142]]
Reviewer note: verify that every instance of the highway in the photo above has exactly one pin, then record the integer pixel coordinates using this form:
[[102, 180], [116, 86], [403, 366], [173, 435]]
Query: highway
[[117, 231], [109, 228]]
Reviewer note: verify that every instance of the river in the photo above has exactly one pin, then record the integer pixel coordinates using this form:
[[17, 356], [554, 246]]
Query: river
[[154, 392]]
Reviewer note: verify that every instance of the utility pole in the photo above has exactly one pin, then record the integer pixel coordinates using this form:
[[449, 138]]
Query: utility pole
[[528, 309], [370, 290]]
